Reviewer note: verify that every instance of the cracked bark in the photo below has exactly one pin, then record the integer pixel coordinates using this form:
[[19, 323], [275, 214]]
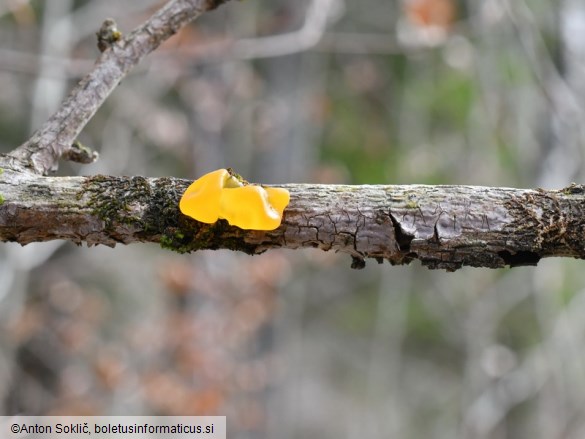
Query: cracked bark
[[442, 226]]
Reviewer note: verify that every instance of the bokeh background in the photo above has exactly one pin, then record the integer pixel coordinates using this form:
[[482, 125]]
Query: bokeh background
[[295, 344]]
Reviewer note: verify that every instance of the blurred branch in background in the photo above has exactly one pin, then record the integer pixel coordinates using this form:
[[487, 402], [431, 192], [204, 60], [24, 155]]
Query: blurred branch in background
[[27, 63], [319, 13], [56, 42]]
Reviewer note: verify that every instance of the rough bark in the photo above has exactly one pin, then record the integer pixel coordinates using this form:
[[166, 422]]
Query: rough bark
[[442, 226]]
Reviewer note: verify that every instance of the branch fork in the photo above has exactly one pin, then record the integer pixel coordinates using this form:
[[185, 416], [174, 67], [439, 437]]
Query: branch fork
[[57, 136]]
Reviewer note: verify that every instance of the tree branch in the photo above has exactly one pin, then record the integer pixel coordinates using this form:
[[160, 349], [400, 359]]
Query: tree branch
[[42, 151], [442, 226]]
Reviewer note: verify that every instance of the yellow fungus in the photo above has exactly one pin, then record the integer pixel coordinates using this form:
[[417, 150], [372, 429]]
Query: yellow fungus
[[248, 207], [278, 198], [201, 200], [222, 194]]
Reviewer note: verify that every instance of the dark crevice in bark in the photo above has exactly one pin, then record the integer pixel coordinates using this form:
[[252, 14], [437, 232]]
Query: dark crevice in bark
[[520, 258], [403, 239]]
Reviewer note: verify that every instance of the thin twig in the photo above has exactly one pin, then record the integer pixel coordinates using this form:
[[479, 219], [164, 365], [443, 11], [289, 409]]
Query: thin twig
[[42, 151]]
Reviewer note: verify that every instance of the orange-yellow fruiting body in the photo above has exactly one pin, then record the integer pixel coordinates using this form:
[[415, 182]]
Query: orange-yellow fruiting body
[[248, 208], [201, 199], [278, 198], [220, 194]]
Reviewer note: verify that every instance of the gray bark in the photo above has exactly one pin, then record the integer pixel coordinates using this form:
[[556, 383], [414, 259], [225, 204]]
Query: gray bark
[[442, 226], [55, 137]]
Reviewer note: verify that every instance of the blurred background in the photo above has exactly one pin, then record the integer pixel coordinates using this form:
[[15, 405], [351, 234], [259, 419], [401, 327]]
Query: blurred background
[[295, 344]]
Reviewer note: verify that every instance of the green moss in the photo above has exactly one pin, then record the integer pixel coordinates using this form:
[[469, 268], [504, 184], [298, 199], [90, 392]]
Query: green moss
[[190, 235], [115, 200], [1, 199], [177, 243], [167, 242], [110, 198]]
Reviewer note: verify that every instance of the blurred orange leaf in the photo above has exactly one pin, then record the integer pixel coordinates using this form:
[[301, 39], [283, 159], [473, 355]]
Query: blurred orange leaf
[[431, 13]]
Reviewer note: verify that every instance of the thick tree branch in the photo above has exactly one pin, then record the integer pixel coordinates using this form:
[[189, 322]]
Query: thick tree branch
[[442, 226], [42, 151]]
